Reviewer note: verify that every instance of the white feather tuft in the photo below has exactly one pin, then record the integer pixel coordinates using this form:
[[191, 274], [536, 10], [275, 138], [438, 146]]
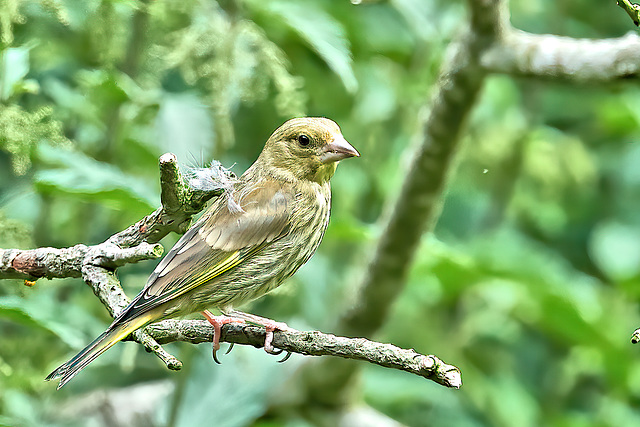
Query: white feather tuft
[[214, 177]]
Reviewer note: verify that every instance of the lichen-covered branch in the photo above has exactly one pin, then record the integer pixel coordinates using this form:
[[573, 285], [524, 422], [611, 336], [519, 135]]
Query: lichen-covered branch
[[418, 204], [107, 288], [564, 58], [632, 9], [547, 56], [313, 343], [181, 199], [50, 263]]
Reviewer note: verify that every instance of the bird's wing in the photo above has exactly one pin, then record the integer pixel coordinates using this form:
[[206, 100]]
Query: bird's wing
[[217, 243]]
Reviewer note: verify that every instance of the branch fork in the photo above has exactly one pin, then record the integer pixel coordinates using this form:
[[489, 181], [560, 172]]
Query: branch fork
[[181, 199]]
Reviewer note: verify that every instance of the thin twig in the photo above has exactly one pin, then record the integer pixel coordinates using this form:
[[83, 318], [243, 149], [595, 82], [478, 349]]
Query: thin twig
[[180, 200], [632, 9], [96, 264], [313, 343]]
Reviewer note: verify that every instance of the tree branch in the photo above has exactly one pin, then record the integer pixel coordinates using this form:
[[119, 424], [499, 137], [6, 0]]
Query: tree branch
[[107, 288], [564, 58], [418, 205], [181, 198], [53, 263], [552, 57], [180, 201], [313, 343], [490, 45], [632, 9]]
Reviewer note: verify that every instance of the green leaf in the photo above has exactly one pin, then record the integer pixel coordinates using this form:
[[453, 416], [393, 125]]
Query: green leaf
[[14, 63], [615, 249], [39, 313], [19, 408], [322, 32], [83, 176], [240, 391]]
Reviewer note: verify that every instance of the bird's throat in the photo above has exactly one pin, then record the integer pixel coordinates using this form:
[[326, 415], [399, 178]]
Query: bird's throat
[[325, 172]]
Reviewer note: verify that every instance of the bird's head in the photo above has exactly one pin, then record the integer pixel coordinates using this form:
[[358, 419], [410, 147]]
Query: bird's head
[[307, 148]]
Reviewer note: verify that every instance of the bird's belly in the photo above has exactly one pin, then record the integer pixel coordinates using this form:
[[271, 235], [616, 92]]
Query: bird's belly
[[269, 266], [263, 272]]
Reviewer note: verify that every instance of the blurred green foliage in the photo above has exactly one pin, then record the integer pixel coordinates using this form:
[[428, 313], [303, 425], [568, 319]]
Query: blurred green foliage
[[529, 283]]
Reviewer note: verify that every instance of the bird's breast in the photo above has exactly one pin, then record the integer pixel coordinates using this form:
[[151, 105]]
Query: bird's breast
[[284, 256]]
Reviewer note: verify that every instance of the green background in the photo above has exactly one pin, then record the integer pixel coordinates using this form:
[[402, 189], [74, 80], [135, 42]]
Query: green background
[[529, 283]]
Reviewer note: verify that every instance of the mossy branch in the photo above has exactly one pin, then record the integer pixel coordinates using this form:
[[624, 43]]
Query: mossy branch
[[181, 199], [632, 9], [552, 57], [96, 264], [313, 343]]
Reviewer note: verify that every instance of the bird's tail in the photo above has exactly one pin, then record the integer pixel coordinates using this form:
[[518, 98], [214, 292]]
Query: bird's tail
[[105, 341]]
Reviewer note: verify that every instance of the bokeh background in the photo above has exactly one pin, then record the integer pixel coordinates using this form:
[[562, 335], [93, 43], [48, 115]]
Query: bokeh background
[[529, 282]]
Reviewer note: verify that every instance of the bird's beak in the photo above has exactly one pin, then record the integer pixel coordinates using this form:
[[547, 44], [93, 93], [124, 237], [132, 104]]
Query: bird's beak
[[336, 150]]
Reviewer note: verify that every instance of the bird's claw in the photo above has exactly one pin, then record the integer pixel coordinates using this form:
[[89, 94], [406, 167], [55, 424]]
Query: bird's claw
[[217, 322], [270, 326], [274, 351], [214, 350], [285, 358], [230, 348], [213, 354], [268, 341]]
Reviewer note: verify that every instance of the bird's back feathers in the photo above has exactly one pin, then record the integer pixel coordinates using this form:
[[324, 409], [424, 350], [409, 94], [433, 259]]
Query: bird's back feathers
[[220, 241]]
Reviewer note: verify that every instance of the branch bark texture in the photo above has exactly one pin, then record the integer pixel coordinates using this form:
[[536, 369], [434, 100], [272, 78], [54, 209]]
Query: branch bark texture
[[550, 57], [96, 264], [313, 343], [419, 202], [420, 199], [547, 56], [180, 201]]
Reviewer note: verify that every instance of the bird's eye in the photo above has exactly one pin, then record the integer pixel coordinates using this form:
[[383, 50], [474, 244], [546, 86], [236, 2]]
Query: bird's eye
[[303, 140]]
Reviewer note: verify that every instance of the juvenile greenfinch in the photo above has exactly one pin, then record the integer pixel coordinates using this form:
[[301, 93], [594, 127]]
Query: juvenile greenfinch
[[245, 244]]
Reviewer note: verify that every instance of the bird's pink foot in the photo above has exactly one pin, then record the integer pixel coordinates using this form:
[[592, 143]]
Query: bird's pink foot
[[270, 325], [217, 322]]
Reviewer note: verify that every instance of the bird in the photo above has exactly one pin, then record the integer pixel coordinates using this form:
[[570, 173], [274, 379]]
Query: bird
[[245, 244]]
